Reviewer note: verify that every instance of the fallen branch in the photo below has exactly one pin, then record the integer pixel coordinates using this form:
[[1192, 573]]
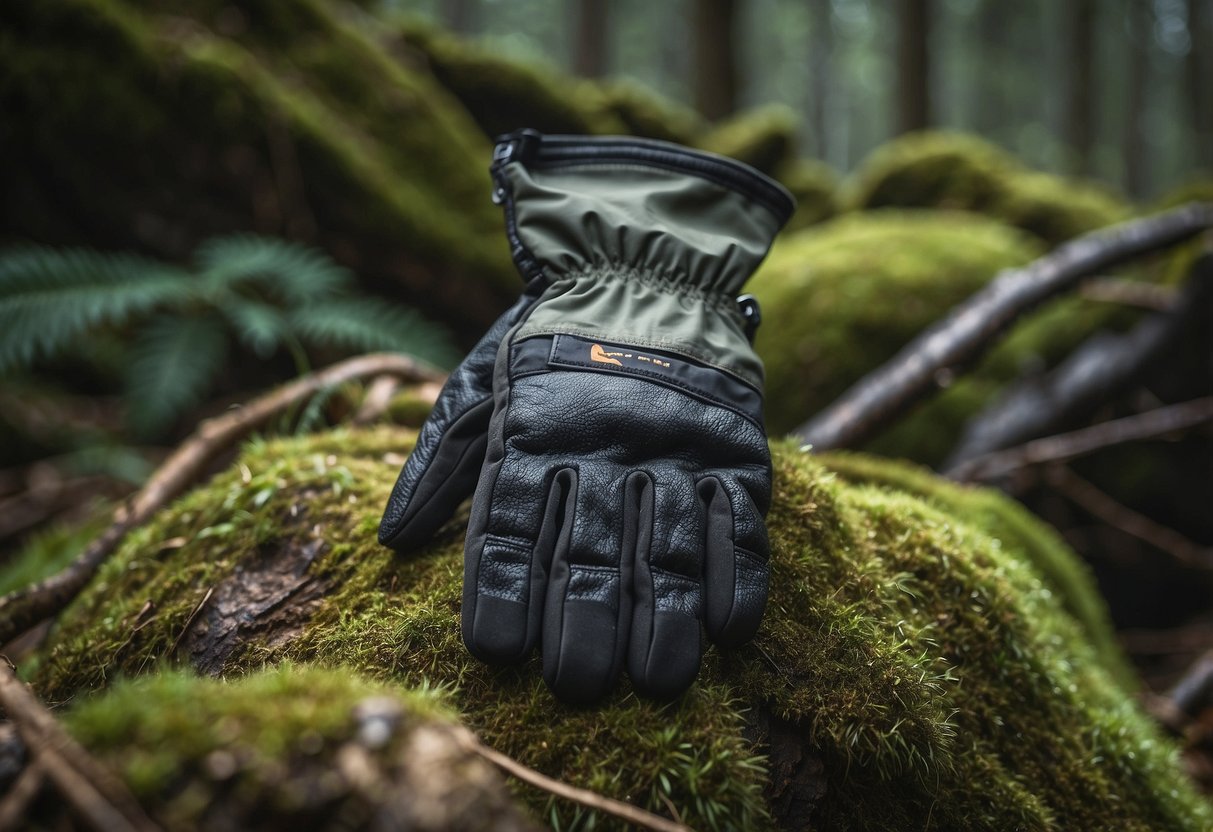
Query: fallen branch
[[1193, 693], [100, 798], [1102, 368], [1120, 516], [1066, 446], [971, 328], [1129, 293], [23, 609], [591, 800], [20, 795]]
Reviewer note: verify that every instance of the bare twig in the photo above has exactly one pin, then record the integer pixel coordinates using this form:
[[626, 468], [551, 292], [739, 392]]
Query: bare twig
[[378, 396], [190, 620], [19, 797], [100, 797], [1194, 692], [592, 800], [960, 339], [22, 609], [1130, 522], [1103, 367], [1064, 446], [1129, 293]]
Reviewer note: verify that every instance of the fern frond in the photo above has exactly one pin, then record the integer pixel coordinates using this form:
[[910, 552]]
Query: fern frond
[[261, 327], [175, 361], [296, 273], [49, 298], [364, 324]]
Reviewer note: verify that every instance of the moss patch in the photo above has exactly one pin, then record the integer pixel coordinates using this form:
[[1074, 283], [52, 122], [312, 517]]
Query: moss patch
[[914, 646], [963, 172]]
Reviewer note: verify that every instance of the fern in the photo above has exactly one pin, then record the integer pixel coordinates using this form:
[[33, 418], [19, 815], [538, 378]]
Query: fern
[[49, 299], [300, 275], [174, 365], [268, 295], [365, 324]]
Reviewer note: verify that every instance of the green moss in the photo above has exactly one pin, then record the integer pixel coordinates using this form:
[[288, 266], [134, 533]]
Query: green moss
[[195, 751], [313, 130], [1013, 528], [764, 137], [815, 187], [841, 298], [645, 113], [925, 650], [963, 172]]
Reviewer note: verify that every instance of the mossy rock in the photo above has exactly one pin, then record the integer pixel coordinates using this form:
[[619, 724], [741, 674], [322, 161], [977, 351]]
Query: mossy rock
[[291, 748], [764, 138], [815, 186], [154, 125], [505, 94], [841, 298], [959, 171], [920, 665]]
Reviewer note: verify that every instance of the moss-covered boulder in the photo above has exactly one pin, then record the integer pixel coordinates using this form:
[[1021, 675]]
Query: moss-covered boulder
[[815, 186], [964, 172], [764, 138], [841, 298], [924, 663], [153, 125], [291, 748]]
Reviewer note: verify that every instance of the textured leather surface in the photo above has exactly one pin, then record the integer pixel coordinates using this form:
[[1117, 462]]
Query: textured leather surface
[[614, 516], [442, 470]]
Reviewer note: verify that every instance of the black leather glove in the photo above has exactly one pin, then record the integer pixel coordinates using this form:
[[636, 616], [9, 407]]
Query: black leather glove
[[622, 479]]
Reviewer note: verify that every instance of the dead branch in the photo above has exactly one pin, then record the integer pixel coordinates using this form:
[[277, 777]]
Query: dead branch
[[100, 797], [375, 403], [1120, 516], [1129, 293], [1102, 368], [592, 800], [19, 797], [1066, 446], [1193, 693], [24, 608], [957, 341]]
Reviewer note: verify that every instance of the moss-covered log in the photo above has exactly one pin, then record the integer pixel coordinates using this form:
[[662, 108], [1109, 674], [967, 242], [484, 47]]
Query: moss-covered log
[[931, 658]]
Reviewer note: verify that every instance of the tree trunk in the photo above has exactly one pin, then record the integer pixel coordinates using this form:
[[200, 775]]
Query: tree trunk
[[988, 87], [1198, 68], [913, 65], [591, 40], [715, 68], [1080, 102], [821, 47], [1136, 156]]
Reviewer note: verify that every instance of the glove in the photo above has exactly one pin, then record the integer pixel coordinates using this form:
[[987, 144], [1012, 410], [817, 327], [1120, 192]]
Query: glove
[[611, 420]]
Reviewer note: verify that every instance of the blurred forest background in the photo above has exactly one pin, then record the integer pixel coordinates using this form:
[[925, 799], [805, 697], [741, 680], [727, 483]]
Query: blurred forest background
[[202, 199]]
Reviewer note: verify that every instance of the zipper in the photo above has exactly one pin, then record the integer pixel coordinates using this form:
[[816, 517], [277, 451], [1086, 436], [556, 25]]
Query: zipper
[[534, 149]]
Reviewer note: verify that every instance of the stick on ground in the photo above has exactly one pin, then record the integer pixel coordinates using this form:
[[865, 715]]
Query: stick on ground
[[23, 609]]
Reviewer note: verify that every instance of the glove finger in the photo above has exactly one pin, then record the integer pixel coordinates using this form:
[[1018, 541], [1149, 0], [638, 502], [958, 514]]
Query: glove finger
[[585, 616], [665, 645], [443, 468], [736, 571], [507, 555]]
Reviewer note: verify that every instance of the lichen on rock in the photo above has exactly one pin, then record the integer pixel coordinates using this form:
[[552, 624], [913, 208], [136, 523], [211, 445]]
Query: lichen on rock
[[922, 663]]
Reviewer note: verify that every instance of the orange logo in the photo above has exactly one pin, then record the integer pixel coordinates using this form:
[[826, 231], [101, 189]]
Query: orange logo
[[597, 353]]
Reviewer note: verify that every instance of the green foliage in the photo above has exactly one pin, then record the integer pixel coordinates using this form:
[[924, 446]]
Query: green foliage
[[938, 659], [264, 295], [963, 172]]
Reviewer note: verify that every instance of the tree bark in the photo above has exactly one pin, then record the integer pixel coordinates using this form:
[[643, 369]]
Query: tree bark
[[821, 48], [715, 68], [913, 65], [1136, 158], [1198, 69], [1080, 100], [591, 38]]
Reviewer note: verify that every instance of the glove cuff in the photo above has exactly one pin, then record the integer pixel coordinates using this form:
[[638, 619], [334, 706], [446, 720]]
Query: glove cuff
[[682, 220]]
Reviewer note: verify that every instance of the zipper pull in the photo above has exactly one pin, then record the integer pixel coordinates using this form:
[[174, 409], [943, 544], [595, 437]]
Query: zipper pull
[[751, 313], [519, 146]]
